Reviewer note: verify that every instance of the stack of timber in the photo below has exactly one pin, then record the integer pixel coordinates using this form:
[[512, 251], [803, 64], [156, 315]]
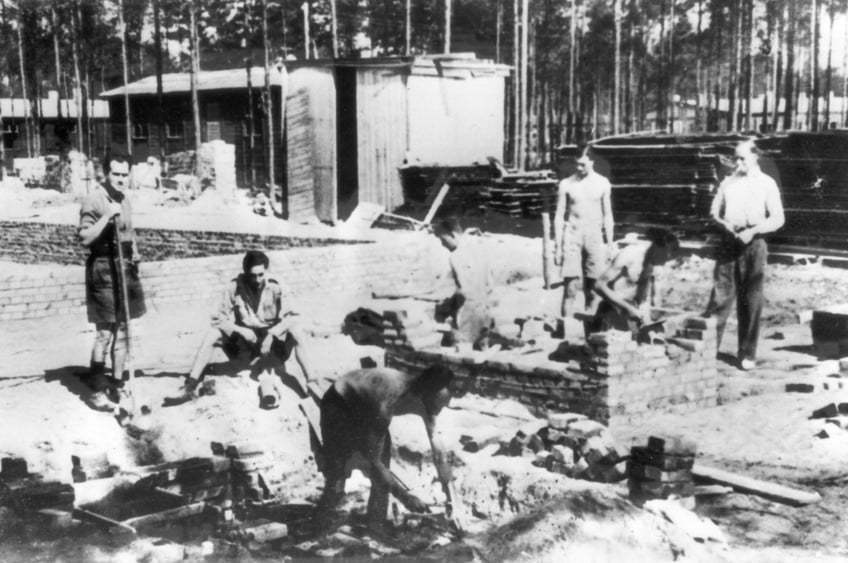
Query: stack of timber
[[664, 179], [522, 195]]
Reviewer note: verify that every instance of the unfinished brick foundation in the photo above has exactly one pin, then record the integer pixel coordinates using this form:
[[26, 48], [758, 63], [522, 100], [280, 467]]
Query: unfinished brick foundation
[[615, 377]]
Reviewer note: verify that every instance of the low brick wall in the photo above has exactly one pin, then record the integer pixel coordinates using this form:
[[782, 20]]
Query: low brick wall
[[36, 242], [310, 272], [620, 378]]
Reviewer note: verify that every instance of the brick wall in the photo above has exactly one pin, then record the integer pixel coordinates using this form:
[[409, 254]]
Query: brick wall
[[620, 378], [347, 269], [35, 242]]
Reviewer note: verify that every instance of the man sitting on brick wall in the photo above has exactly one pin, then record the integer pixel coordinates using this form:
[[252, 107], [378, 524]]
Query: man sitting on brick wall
[[627, 286], [254, 320], [355, 416], [104, 209]]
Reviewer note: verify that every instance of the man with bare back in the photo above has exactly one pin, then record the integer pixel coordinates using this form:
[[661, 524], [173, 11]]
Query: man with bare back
[[627, 286], [355, 416], [583, 229]]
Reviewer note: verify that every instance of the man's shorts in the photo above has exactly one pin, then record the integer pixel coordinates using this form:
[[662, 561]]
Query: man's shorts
[[584, 252], [235, 346], [102, 290]]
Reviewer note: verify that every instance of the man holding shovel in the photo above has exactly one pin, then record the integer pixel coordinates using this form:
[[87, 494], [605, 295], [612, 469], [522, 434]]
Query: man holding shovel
[[106, 219]]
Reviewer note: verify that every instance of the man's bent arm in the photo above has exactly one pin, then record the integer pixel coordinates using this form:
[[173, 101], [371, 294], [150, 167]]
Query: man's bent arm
[[774, 212], [559, 218], [606, 209], [223, 319], [442, 463]]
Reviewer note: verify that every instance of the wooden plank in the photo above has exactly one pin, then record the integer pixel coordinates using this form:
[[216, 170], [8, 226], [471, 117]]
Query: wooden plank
[[741, 483], [113, 526], [443, 192], [165, 515]]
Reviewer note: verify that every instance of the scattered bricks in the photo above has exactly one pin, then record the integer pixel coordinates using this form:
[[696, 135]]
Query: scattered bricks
[[674, 445], [536, 444], [266, 531], [842, 408], [599, 450], [218, 448], [647, 472], [35, 495], [828, 411], [254, 462], [666, 462], [395, 316], [194, 470], [560, 421], [244, 449], [663, 490], [13, 468], [557, 467], [515, 447], [585, 429], [580, 467], [52, 519], [543, 458], [700, 323], [800, 388], [563, 454]]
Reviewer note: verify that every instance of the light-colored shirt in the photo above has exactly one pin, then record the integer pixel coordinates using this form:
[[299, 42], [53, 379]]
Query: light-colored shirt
[[240, 306], [745, 201], [470, 270]]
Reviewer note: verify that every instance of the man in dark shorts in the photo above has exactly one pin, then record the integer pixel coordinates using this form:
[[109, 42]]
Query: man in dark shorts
[[355, 416], [106, 207], [254, 321]]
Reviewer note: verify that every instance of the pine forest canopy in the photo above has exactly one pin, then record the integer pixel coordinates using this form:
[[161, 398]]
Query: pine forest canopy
[[590, 67]]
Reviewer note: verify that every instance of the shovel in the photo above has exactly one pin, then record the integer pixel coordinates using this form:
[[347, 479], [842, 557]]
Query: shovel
[[135, 410]]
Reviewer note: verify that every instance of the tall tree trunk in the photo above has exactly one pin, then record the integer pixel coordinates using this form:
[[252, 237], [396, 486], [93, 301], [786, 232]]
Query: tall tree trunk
[[628, 80], [79, 100], [334, 26], [749, 60], [615, 113], [24, 89], [789, 95], [306, 34], [844, 110], [122, 29], [698, 81], [522, 139], [55, 31], [268, 106], [670, 85], [572, 62], [733, 79], [516, 86], [661, 90], [498, 26], [814, 68], [407, 50], [251, 118], [448, 17], [195, 70], [160, 101], [831, 12]]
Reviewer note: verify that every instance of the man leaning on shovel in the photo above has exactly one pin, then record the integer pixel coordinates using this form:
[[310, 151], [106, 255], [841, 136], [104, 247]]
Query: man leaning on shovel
[[102, 211]]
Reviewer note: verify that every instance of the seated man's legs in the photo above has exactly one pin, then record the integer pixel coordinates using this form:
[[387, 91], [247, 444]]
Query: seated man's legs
[[295, 340]]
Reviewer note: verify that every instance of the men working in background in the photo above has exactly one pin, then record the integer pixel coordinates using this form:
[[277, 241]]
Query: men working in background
[[627, 286], [254, 319], [355, 416], [470, 307], [583, 229], [106, 207], [746, 207]]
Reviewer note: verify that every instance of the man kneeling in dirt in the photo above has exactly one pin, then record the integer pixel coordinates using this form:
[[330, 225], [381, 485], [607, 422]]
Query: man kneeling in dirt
[[355, 416], [627, 286], [254, 320]]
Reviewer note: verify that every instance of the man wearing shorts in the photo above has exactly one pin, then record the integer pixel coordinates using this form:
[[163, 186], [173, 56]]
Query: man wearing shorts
[[583, 229]]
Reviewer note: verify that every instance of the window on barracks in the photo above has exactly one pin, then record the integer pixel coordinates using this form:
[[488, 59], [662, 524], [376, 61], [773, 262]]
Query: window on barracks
[[175, 129], [10, 133], [139, 130]]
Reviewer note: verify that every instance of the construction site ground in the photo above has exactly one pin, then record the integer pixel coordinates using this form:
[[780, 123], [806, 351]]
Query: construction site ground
[[758, 429]]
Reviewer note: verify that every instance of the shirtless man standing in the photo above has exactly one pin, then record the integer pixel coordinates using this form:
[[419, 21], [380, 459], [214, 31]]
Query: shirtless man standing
[[627, 286], [583, 229]]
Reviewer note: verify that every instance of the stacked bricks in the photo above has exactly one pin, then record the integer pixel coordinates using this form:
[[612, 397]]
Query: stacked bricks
[[830, 331], [251, 471], [91, 465], [28, 494], [661, 469], [401, 330], [304, 271], [621, 378]]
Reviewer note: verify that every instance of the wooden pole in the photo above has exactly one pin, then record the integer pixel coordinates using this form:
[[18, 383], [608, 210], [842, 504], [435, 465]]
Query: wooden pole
[[306, 39], [525, 22], [195, 70], [408, 29], [160, 99], [124, 64], [615, 114], [448, 16], [333, 26]]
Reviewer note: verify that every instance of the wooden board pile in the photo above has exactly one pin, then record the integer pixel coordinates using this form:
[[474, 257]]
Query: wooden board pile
[[661, 469], [518, 196]]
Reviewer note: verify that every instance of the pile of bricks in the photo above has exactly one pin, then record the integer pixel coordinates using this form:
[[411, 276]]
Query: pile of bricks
[[830, 331], [91, 465], [403, 330], [251, 471], [30, 495], [661, 469], [577, 447]]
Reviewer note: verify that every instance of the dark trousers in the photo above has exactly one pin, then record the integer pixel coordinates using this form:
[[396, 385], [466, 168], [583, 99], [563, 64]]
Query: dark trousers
[[739, 273]]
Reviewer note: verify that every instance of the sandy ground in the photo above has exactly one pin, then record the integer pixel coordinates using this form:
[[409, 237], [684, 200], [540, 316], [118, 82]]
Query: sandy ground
[[758, 430]]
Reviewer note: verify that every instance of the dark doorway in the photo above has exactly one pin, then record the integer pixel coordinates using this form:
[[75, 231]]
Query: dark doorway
[[348, 171]]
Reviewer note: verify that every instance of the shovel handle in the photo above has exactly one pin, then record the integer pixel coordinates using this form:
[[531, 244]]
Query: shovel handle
[[125, 305]]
